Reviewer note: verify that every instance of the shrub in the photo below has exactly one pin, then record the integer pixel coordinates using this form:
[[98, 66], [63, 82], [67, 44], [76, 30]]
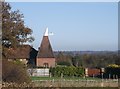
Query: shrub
[[67, 71], [14, 72], [112, 71]]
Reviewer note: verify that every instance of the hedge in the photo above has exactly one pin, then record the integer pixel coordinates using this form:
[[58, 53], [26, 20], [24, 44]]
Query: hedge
[[67, 71], [112, 71]]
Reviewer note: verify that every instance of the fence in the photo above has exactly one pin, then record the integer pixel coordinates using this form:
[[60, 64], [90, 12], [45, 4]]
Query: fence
[[65, 83], [76, 83]]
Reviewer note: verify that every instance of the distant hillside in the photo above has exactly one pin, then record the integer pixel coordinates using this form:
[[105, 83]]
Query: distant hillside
[[86, 52]]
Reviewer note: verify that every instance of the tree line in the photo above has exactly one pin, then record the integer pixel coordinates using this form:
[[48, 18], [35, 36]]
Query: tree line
[[87, 60]]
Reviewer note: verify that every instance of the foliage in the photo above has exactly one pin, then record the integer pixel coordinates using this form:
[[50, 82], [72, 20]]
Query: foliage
[[76, 61], [117, 60], [63, 59], [69, 71], [65, 63], [112, 71], [14, 31], [96, 60], [12, 72], [113, 65]]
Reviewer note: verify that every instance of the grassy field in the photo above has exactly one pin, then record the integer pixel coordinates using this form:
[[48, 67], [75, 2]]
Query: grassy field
[[66, 78], [66, 83], [73, 82]]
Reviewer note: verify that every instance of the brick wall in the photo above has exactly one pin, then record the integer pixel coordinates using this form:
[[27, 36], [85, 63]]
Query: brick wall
[[41, 61]]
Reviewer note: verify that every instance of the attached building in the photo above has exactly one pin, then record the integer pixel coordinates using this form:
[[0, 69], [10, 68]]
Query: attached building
[[24, 53]]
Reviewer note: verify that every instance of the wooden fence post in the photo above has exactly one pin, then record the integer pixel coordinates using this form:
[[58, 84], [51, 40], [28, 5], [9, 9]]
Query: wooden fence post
[[119, 83]]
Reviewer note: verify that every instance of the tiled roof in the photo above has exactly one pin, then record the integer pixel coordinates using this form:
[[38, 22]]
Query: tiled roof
[[45, 50], [21, 52]]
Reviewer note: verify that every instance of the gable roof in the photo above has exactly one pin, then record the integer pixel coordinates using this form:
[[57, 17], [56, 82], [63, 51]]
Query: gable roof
[[22, 52], [45, 50]]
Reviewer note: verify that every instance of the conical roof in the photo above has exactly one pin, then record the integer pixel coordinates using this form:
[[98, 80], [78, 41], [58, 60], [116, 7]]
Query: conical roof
[[45, 50]]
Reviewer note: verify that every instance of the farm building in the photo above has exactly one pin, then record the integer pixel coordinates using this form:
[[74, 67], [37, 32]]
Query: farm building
[[24, 53], [45, 56]]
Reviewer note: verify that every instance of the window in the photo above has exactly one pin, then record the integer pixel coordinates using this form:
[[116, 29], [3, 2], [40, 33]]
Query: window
[[45, 65]]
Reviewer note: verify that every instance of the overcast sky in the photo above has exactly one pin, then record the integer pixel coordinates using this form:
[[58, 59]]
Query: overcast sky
[[77, 26]]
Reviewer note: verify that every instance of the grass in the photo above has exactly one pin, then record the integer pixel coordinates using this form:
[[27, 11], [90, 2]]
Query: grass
[[78, 82], [66, 78]]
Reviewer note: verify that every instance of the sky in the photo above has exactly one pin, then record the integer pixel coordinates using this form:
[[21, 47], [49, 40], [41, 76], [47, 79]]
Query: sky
[[77, 26]]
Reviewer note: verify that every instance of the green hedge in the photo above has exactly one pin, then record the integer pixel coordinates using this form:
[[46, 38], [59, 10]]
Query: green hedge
[[67, 71], [112, 71]]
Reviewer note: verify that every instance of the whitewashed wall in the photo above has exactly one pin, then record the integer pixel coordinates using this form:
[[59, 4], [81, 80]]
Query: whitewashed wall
[[38, 72]]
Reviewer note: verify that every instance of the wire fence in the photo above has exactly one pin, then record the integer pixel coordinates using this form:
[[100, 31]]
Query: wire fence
[[76, 83], [67, 83]]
